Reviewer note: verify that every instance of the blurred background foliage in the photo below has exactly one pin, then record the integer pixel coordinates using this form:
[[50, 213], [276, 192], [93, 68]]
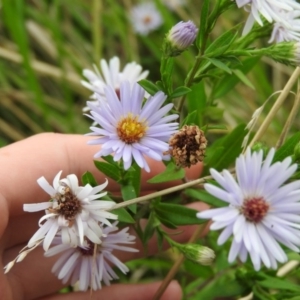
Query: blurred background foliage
[[45, 45]]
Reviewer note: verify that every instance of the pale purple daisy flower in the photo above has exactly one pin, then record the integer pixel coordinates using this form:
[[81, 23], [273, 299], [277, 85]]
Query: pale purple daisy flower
[[131, 129], [289, 30], [90, 264], [145, 18], [262, 211], [111, 75], [73, 210], [266, 8]]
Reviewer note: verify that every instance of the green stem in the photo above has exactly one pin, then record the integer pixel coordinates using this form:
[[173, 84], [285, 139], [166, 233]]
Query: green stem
[[189, 79], [161, 193]]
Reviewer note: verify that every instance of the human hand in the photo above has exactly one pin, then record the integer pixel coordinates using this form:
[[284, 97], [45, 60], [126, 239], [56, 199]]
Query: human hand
[[44, 155]]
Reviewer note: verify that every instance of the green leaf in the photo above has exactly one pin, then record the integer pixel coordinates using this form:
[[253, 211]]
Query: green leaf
[[287, 149], [220, 65], [212, 155], [134, 178], [243, 78], [227, 83], [222, 43], [278, 284], [123, 215], [152, 223], [149, 86], [109, 170], [180, 91], [204, 196], [128, 193], [190, 118], [213, 112], [202, 33], [88, 178], [110, 160], [172, 172], [196, 101], [231, 148], [166, 222], [177, 214]]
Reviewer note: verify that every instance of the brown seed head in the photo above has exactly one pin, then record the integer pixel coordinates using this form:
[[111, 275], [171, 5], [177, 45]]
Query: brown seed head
[[67, 205], [188, 146]]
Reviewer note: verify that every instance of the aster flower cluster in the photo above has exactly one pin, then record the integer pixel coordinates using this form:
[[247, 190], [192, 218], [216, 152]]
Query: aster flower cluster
[[76, 222], [262, 211], [284, 15]]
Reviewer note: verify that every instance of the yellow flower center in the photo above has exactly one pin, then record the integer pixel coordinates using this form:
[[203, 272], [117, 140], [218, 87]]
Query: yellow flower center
[[130, 129]]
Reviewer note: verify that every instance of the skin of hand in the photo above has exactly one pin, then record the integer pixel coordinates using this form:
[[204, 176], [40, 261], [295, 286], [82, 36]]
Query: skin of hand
[[21, 164]]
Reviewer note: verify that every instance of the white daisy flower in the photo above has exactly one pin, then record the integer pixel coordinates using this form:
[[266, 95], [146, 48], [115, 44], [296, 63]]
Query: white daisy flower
[[73, 210], [289, 30], [262, 211], [91, 263], [266, 8], [145, 18], [131, 129], [111, 75]]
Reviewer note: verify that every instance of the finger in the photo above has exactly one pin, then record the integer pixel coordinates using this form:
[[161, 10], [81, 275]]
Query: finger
[[46, 154], [35, 271], [125, 292]]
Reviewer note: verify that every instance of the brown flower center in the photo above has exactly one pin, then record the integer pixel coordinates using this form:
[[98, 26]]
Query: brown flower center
[[147, 20], [130, 130], [254, 209], [89, 250], [68, 204]]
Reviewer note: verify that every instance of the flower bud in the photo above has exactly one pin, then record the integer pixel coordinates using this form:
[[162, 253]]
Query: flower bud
[[180, 37], [188, 146], [285, 52], [200, 254]]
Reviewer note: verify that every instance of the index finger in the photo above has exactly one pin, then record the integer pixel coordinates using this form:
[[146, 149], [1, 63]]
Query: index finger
[[22, 163]]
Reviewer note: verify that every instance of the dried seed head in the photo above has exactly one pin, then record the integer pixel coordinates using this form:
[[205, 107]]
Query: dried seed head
[[188, 146]]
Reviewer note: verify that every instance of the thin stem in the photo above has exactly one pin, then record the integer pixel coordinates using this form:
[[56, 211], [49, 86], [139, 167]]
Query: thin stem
[[290, 120], [160, 193], [176, 266], [276, 107]]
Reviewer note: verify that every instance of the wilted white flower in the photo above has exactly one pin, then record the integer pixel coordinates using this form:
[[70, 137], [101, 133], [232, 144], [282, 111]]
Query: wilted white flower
[[91, 263], [73, 210], [262, 211], [269, 9], [289, 30], [111, 75], [145, 18], [131, 129]]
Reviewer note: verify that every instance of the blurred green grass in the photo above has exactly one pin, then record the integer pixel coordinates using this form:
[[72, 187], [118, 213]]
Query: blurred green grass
[[44, 45]]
